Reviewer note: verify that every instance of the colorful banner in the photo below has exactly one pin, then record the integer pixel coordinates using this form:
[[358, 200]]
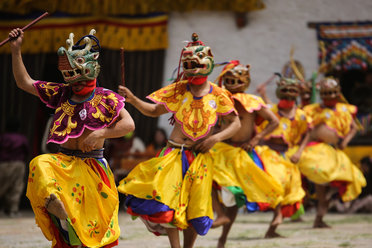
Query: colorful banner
[[127, 7], [347, 45], [135, 24], [133, 33]]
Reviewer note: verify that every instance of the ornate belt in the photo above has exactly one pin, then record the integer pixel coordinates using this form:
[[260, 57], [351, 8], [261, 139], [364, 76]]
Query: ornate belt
[[81, 154]]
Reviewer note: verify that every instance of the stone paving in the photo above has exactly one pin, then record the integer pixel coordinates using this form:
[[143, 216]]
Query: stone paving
[[347, 231]]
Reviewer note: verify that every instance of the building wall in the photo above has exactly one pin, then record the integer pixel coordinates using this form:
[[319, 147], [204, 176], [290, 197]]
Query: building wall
[[266, 41]]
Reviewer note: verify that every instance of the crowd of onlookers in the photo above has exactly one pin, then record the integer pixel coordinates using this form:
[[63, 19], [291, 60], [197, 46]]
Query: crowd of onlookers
[[13, 151]]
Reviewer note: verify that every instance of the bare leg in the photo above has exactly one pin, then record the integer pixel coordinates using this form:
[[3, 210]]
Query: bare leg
[[221, 216], [55, 207], [322, 209], [277, 220], [231, 214], [173, 236], [189, 237]]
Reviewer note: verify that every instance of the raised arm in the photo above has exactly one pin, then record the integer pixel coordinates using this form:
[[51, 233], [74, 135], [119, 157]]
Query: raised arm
[[146, 108], [261, 90], [273, 123], [23, 79], [233, 126]]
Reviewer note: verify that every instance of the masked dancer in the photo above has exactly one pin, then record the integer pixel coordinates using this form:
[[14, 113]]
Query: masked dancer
[[73, 193]]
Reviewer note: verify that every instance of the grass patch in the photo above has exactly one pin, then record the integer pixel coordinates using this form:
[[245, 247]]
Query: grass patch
[[345, 244]]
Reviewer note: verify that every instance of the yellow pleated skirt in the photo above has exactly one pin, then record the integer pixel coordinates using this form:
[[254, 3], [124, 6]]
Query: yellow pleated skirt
[[285, 172], [233, 167], [87, 189], [322, 163], [175, 185]]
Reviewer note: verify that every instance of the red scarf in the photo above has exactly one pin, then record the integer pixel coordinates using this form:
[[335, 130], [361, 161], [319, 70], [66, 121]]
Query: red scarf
[[88, 88], [286, 104], [330, 103], [197, 80]]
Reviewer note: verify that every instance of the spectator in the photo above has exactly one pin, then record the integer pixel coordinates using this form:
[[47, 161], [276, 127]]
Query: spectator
[[128, 148], [158, 141], [13, 151]]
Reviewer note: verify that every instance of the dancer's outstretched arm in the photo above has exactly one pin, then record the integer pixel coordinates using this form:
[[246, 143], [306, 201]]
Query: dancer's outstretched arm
[[146, 108], [23, 79]]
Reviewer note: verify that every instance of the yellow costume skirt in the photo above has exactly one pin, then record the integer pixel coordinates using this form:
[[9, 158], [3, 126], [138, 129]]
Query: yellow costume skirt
[[321, 164], [287, 174], [87, 189], [235, 170], [171, 190]]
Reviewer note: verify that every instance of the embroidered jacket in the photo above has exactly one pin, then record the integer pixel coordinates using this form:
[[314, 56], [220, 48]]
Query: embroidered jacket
[[196, 115], [250, 102], [71, 118], [290, 130], [338, 118]]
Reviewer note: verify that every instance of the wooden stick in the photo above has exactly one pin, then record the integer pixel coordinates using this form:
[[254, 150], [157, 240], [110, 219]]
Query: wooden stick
[[122, 66], [27, 26], [264, 84], [267, 81]]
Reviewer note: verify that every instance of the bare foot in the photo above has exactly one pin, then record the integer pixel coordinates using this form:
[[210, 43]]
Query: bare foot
[[220, 221], [320, 224], [271, 233], [55, 207]]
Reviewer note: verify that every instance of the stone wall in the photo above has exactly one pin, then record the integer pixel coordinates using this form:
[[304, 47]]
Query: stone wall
[[266, 41]]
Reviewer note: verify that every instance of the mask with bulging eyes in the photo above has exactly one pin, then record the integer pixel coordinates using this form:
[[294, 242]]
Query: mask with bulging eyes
[[237, 78], [287, 88], [197, 59], [79, 62], [329, 89]]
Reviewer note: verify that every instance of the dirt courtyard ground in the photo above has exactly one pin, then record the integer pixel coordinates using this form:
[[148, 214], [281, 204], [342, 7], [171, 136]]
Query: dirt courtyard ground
[[347, 231]]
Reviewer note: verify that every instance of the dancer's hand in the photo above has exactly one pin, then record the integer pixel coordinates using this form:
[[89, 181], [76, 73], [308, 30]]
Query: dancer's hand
[[251, 144], [247, 146], [261, 89], [295, 158], [16, 38], [91, 141], [206, 144], [125, 92]]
